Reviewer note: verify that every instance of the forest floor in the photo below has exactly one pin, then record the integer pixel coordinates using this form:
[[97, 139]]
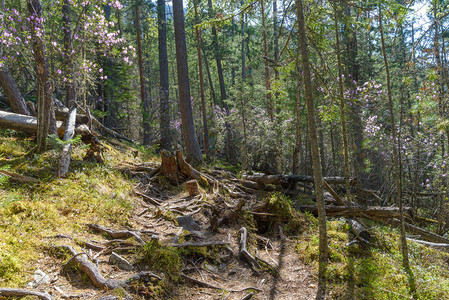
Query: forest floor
[[120, 195]]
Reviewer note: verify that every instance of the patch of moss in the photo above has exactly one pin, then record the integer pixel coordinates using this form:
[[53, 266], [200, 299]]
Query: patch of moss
[[163, 259], [291, 221]]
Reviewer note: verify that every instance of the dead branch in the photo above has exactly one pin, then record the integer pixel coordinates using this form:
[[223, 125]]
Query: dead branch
[[432, 245], [8, 292], [243, 252], [111, 132], [64, 162]]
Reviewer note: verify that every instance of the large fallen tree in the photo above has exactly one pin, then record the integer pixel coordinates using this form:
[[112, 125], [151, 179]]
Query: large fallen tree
[[359, 211], [24, 123], [283, 179]]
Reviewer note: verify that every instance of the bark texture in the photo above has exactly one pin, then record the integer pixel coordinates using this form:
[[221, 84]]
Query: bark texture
[[193, 152]]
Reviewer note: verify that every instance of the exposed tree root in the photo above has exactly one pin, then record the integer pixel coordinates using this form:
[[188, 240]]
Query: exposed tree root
[[211, 286], [116, 234], [7, 292], [94, 274], [201, 244]]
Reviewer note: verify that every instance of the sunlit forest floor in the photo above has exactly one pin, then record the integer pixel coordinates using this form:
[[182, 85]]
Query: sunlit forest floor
[[34, 217]]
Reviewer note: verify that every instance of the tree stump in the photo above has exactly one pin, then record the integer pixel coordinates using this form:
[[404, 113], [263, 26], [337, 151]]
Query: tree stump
[[193, 188], [169, 168]]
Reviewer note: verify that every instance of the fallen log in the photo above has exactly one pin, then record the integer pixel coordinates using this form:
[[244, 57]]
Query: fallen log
[[66, 151], [18, 177], [359, 231], [285, 179], [440, 246], [358, 211], [27, 124], [430, 236]]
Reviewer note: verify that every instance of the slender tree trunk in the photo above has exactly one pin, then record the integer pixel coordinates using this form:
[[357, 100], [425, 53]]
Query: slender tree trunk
[[209, 77], [68, 66], [243, 45], [193, 152], [297, 150], [203, 101], [46, 122], [267, 66], [218, 58], [342, 107], [316, 160], [163, 72], [143, 90], [405, 260]]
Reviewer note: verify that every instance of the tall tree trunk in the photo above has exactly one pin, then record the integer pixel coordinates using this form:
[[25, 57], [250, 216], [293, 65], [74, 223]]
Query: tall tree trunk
[[405, 260], [267, 66], [316, 160], [209, 77], [342, 106], [243, 45], [297, 150], [46, 122], [163, 72], [200, 67], [218, 58], [193, 152], [143, 90], [68, 66]]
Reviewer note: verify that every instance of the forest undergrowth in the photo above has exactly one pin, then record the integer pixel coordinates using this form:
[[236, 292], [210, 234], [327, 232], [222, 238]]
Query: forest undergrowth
[[37, 218]]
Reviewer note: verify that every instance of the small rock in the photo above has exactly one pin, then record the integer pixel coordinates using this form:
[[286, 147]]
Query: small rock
[[120, 262], [211, 268], [188, 223], [39, 277]]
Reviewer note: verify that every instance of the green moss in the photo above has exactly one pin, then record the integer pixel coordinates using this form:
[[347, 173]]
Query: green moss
[[292, 222], [163, 259]]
